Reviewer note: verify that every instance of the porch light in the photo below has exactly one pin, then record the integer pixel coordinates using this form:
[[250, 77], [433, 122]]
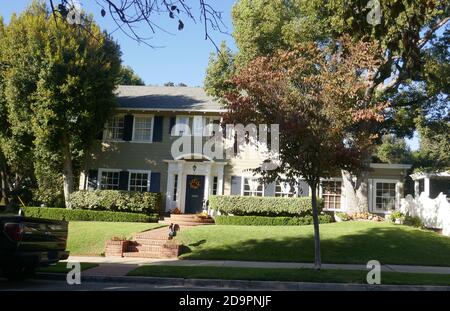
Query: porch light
[[194, 167]]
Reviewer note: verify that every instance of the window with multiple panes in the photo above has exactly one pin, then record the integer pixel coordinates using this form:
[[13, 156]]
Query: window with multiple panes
[[114, 128], [175, 187], [284, 189], [331, 194], [109, 180], [214, 186], [139, 181], [252, 187], [385, 195], [143, 128], [181, 126]]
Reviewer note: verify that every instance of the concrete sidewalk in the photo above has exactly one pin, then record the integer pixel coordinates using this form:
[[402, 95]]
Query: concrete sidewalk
[[121, 266]]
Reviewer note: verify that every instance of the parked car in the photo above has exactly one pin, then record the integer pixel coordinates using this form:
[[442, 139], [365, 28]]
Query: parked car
[[27, 243]]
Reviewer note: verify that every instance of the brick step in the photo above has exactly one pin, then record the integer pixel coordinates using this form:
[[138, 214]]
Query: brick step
[[149, 255], [154, 248], [185, 223], [139, 242], [160, 236]]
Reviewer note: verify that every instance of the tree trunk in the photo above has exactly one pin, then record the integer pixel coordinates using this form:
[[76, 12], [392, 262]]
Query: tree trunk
[[356, 192], [3, 184], [67, 171], [317, 259]]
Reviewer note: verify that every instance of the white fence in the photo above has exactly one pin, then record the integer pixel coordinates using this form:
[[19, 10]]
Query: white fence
[[434, 213]]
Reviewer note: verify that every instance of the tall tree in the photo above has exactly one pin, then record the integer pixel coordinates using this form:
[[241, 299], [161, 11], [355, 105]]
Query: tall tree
[[59, 83], [219, 71], [127, 76], [405, 31], [317, 96], [394, 150]]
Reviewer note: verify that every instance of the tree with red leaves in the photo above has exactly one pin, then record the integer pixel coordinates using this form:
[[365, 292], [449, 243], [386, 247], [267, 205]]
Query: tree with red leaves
[[319, 99]]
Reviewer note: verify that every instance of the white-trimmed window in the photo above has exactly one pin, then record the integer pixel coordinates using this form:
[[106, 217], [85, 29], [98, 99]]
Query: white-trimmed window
[[252, 187], [331, 194], [109, 179], [181, 126], [143, 128], [115, 127], [284, 189], [139, 181], [215, 185], [385, 195]]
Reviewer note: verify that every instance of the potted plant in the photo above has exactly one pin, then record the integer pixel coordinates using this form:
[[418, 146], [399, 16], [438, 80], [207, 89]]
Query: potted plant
[[397, 217], [116, 246], [341, 217]]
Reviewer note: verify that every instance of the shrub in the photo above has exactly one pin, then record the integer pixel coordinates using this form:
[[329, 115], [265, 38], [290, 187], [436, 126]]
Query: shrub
[[116, 200], [270, 221], [85, 215], [413, 221], [343, 216], [397, 215], [262, 206]]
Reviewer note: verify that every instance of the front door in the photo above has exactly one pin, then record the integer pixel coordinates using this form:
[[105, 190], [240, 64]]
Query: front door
[[195, 188]]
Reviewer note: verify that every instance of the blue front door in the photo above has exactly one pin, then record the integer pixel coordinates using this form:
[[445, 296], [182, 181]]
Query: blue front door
[[195, 188]]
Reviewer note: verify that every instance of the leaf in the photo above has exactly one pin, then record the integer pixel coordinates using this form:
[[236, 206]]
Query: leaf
[[103, 12], [173, 7], [180, 25], [171, 15]]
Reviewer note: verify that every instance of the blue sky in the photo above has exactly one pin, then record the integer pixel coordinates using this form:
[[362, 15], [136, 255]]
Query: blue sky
[[180, 57]]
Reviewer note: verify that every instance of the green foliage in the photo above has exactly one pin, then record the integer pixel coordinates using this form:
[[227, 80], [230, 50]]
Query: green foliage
[[264, 206], [57, 86], [116, 200], [394, 150], [269, 221], [127, 76], [219, 71], [85, 215], [343, 216], [413, 221], [397, 215]]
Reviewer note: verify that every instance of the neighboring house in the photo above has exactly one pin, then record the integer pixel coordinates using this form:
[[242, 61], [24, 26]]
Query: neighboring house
[[135, 155]]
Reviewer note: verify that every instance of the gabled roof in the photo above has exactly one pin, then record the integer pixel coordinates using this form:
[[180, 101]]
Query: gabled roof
[[170, 98]]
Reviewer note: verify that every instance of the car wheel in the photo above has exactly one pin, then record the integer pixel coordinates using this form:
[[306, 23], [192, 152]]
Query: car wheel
[[18, 272]]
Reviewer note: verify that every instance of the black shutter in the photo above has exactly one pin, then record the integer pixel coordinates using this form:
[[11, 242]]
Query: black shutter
[[303, 188], [269, 190], [128, 127], [236, 185], [123, 180], [173, 120], [92, 180], [158, 129], [155, 180]]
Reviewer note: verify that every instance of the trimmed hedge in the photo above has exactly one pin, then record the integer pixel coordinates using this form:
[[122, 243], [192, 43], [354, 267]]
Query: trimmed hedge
[[270, 221], [262, 206], [117, 200], [85, 215]]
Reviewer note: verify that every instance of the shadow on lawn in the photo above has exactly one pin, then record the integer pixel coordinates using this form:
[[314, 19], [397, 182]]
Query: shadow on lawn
[[387, 245]]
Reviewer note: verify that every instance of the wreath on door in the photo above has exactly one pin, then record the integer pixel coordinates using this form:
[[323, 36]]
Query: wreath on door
[[195, 183]]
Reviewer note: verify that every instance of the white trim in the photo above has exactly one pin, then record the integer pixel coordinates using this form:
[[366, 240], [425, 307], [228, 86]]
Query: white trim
[[373, 194], [148, 172], [251, 177], [343, 201], [151, 129], [99, 175], [390, 166], [189, 110]]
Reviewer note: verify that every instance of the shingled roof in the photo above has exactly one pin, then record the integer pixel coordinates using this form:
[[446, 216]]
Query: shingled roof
[[166, 98]]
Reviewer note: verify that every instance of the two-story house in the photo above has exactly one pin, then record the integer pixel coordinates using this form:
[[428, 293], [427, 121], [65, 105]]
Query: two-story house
[[135, 154]]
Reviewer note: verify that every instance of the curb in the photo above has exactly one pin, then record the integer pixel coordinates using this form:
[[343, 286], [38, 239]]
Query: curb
[[245, 285]]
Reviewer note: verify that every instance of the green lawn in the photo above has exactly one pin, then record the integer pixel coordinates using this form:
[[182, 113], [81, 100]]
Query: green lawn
[[89, 237], [344, 242], [292, 275], [61, 267]]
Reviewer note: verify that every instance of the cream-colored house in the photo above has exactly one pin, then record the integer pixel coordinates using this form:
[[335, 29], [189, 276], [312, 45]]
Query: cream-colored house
[[135, 154]]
